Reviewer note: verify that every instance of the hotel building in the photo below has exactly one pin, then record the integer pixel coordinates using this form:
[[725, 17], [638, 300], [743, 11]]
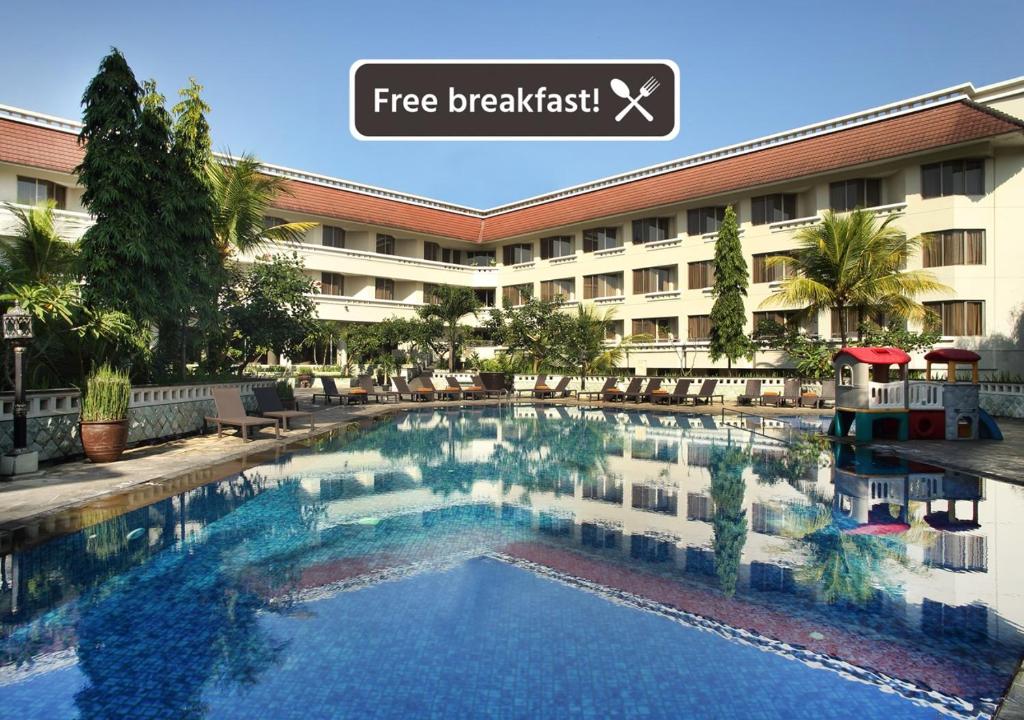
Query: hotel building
[[948, 165]]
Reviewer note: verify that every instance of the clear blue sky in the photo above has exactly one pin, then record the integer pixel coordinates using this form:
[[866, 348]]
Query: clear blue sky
[[276, 73]]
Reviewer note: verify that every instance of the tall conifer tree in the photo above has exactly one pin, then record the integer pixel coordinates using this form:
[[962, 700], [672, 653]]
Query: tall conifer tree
[[728, 315]]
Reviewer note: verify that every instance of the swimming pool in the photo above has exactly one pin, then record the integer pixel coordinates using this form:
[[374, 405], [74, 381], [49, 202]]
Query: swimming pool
[[530, 561]]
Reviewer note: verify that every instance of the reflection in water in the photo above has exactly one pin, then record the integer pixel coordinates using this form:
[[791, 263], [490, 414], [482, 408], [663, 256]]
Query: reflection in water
[[168, 606]]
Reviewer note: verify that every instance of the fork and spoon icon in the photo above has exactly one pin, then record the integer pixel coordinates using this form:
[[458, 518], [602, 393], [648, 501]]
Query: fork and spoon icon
[[622, 90]]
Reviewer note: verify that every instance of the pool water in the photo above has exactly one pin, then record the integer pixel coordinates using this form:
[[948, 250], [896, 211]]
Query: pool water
[[523, 562]]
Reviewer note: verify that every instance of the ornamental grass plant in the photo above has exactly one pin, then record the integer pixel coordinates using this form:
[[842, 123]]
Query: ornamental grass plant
[[107, 393]]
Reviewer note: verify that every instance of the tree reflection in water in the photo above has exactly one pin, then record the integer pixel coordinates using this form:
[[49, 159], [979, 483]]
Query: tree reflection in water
[[726, 465]]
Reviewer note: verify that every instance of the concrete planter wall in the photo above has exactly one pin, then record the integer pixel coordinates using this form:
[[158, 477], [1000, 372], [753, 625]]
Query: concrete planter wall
[[153, 413], [1003, 399]]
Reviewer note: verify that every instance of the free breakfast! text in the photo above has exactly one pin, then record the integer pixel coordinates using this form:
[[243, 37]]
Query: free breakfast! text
[[539, 100]]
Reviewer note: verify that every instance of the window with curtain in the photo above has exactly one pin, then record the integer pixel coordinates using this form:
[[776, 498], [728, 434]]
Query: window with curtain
[[452, 256], [385, 244], [763, 273], [431, 251], [32, 191], [430, 292], [555, 246], [651, 229], [858, 193], [614, 330], [550, 290], [953, 247], [270, 221], [601, 238], [953, 177], [512, 295], [604, 285], [333, 236], [385, 289], [332, 283], [517, 253], [485, 296], [701, 274], [788, 319], [698, 327], [661, 329], [777, 207], [480, 258], [956, 318], [655, 279], [701, 221]]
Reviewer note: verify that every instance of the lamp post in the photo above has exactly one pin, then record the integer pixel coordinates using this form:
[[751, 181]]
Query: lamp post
[[17, 330]]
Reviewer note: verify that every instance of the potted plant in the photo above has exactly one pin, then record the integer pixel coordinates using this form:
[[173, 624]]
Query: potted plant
[[104, 419], [287, 394]]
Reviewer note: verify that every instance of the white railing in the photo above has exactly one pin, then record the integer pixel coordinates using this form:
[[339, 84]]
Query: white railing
[[666, 243], [926, 395], [794, 223], [886, 395], [372, 302]]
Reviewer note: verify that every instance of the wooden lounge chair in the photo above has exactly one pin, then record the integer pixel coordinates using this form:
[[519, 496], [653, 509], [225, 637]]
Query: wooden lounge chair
[[490, 390], [231, 412], [330, 390], [366, 383], [676, 395], [827, 399], [790, 396], [706, 394], [540, 388], [609, 386], [751, 393], [562, 388], [632, 391], [653, 386], [468, 391], [418, 394], [270, 406], [445, 393]]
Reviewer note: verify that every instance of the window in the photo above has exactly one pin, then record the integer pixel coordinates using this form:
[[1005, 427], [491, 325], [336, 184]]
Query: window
[[518, 253], [656, 279], [332, 283], [702, 274], [32, 191], [660, 329], [958, 317], [854, 319], [385, 289], [431, 251], [451, 256], [787, 319], [953, 177], [763, 272], [772, 208], [557, 246], [606, 285], [480, 258], [701, 221], [485, 296], [849, 194], [270, 221], [602, 238], [614, 330], [429, 293], [552, 289], [698, 327], [333, 236], [651, 229], [953, 247], [512, 295], [385, 244]]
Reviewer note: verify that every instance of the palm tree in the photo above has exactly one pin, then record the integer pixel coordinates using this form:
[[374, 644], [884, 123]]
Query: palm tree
[[35, 254], [450, 304], [243, 194], [851, 261], [582, 345]]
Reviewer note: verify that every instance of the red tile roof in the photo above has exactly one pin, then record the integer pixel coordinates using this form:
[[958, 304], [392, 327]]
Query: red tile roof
[[926, 129]]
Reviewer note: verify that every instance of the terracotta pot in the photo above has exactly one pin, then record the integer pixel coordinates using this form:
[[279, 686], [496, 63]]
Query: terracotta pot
[[104, 441]]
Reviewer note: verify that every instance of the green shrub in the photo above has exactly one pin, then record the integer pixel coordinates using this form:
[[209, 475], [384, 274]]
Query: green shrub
[[285, 391], [107, 394]]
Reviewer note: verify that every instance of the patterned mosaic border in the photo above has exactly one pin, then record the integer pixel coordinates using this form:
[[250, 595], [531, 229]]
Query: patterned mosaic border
[[946, 704]]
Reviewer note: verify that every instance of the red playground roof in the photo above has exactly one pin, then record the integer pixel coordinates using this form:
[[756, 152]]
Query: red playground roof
[[876, 355], [952, 355]]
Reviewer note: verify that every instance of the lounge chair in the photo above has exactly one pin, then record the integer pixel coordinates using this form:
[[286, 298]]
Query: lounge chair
[[270, 406], [468, 391], [706, 394], [751, 393], [562, 388], [632, 391], [540, 388], [231, 412], [677, 395], [418, 394], [826, 399], [790, 396], [490, 390], [366, 383], [445, 393], [653, 386], [330, 390], [609, 386]]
